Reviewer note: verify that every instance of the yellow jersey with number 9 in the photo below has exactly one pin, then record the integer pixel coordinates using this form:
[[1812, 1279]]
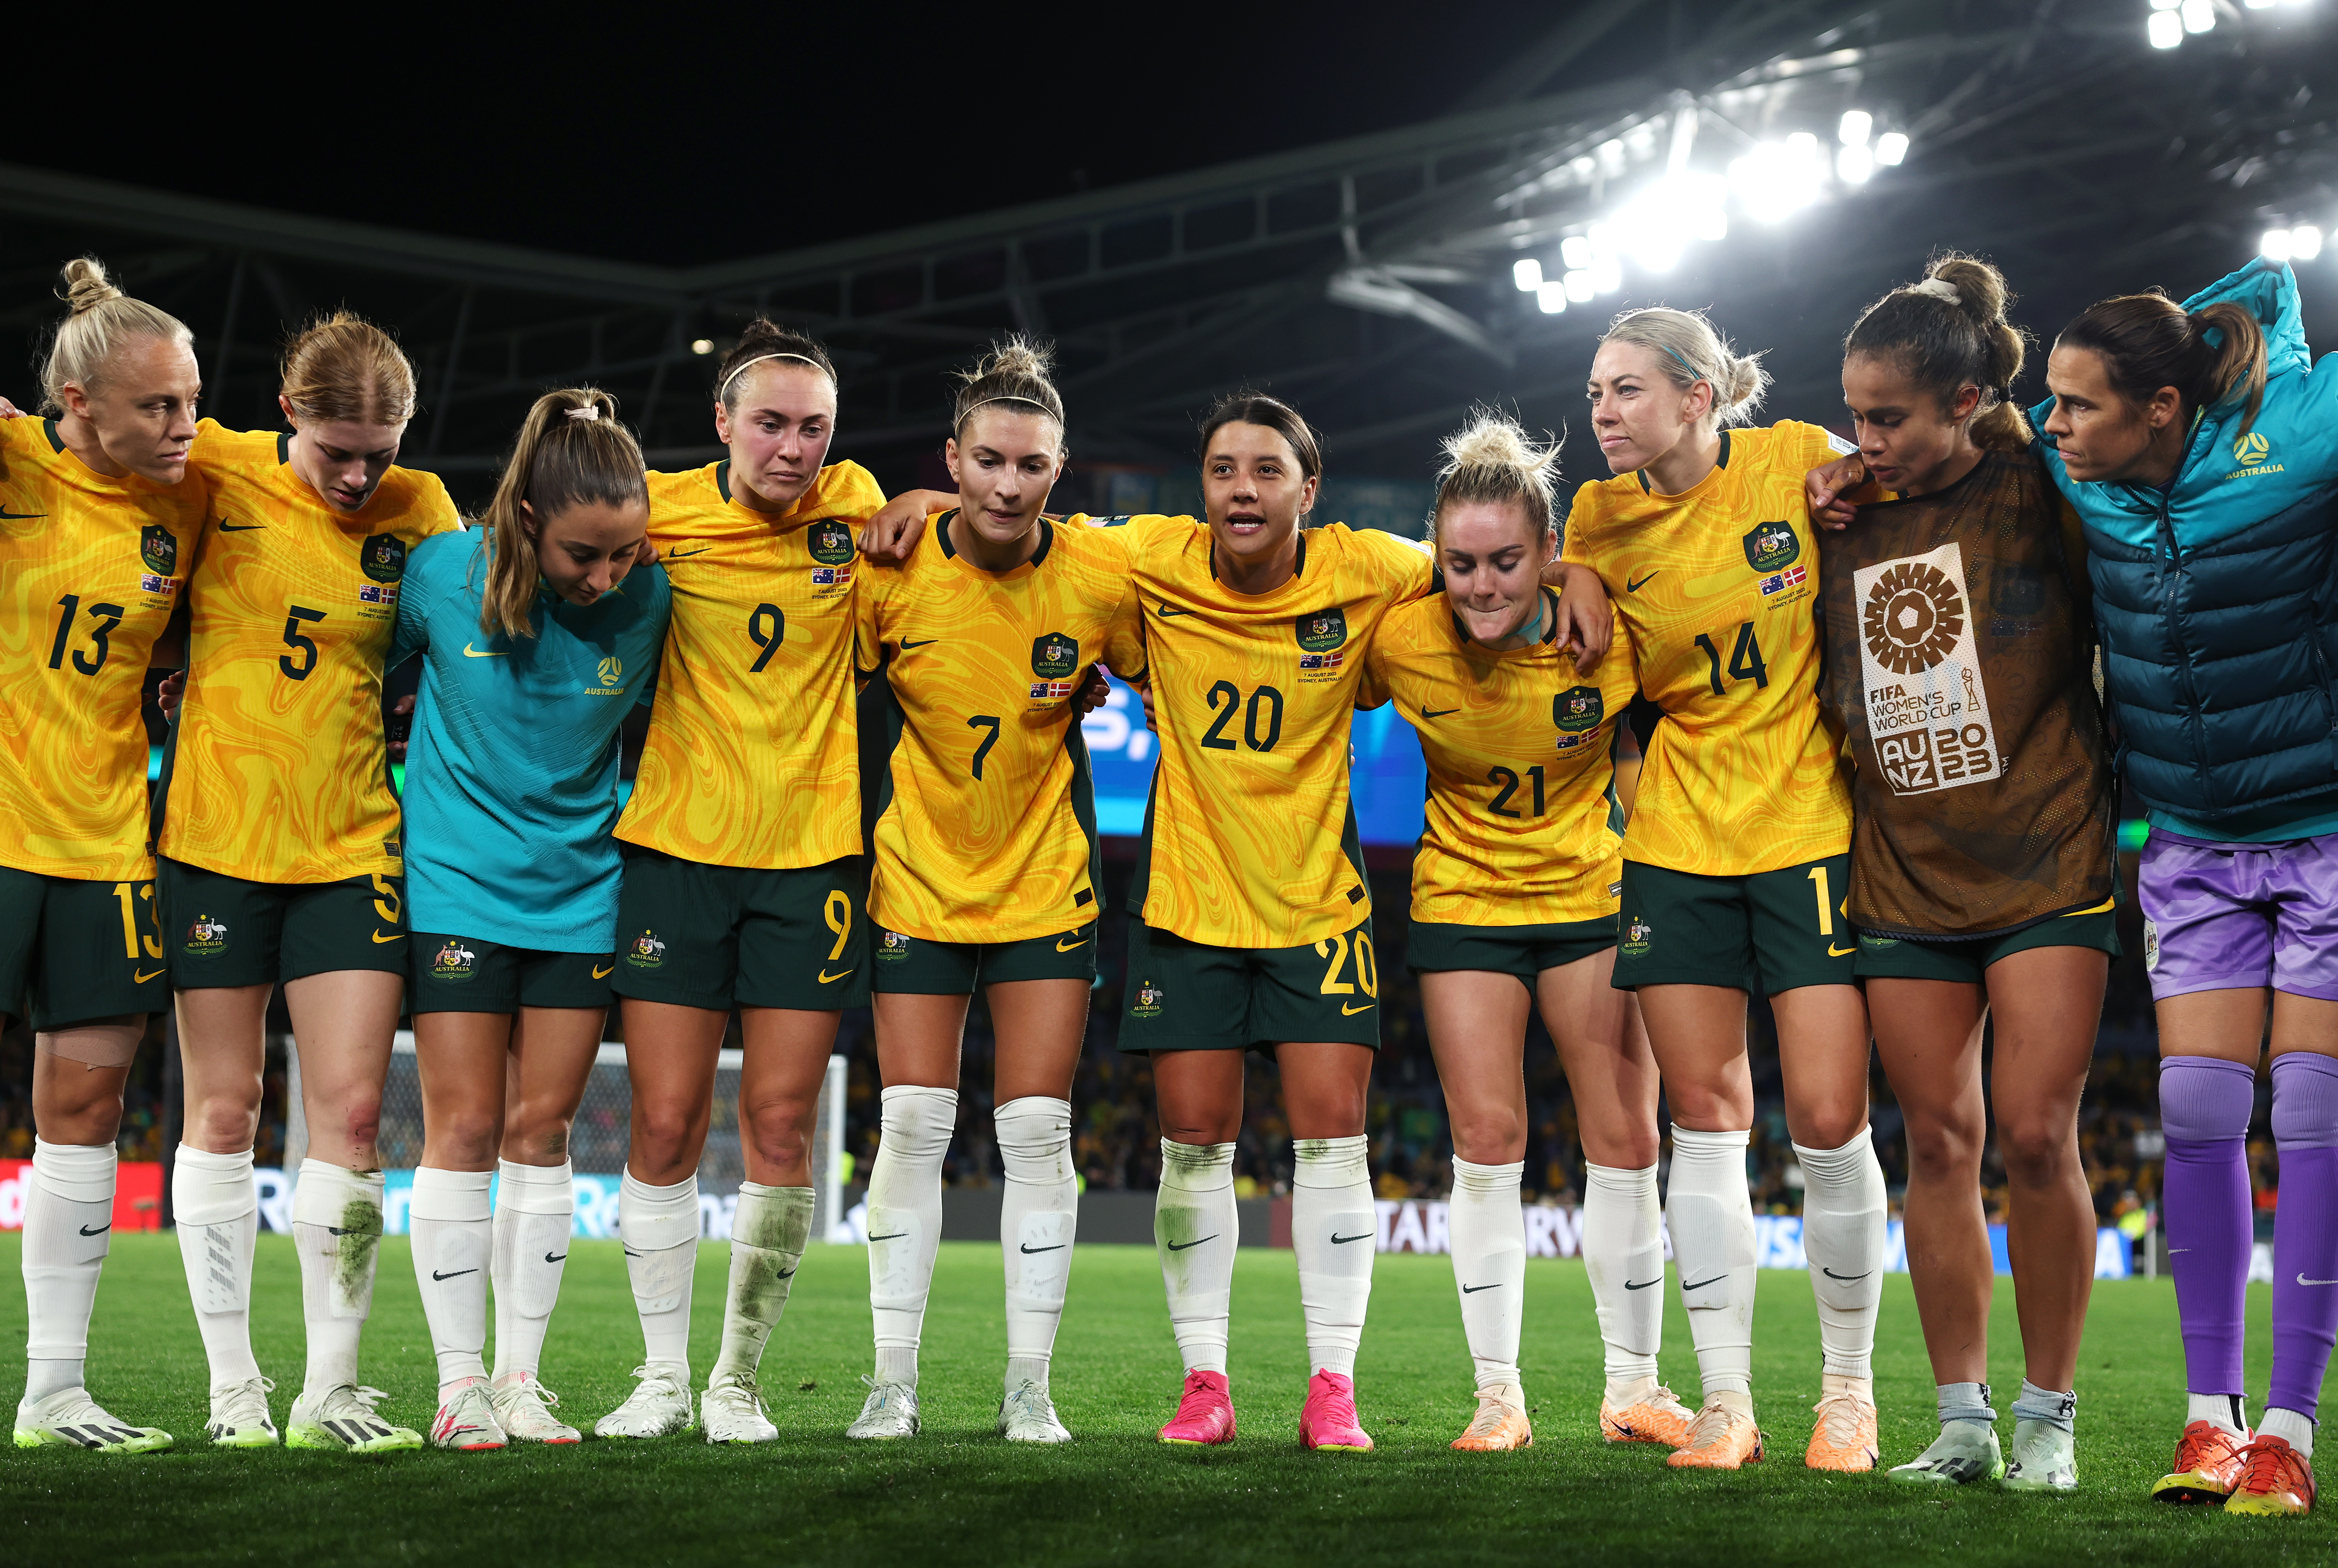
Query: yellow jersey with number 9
[[90, 569], [751, 755], [1249, 839], [1524, 827], [278, 770], [1718, 588]]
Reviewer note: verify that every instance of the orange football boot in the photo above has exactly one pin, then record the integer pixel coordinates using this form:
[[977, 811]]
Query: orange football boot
[[1500, 1422], [2275, 1478], [1718, 1439], [2208, 1460]]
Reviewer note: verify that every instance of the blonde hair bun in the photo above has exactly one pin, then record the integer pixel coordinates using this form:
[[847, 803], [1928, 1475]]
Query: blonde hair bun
[[87, 285], [1492, 459], [101, 318]]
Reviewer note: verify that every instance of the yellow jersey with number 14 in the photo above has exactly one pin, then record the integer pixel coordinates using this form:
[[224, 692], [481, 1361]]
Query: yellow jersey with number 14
[[1249, 840], [278, 770], [986, 823], [1718, 587], [1523, 825], [751, 755], [90, 569]]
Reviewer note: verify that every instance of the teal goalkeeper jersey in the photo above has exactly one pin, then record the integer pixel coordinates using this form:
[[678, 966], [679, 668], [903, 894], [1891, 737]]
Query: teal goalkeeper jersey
[[511, 778]]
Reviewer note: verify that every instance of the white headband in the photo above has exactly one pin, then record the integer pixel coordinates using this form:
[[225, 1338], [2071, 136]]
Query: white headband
[[1005, 398], [758, 359], [590, 411], [1939, 289]]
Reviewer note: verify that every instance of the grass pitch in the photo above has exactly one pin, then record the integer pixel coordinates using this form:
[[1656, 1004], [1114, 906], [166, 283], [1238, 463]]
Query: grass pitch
[[957, 1493]]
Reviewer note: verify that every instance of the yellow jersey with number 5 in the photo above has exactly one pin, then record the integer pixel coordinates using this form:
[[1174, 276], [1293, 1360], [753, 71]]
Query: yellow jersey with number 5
[[1718, 588], [279, 770], [986, 815], [1250, 839], [90, 569], [1524, 827], [751, 759]]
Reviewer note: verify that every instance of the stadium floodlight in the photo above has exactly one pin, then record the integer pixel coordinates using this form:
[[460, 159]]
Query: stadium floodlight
[[1777, 180], [1661, 221], [1576, 251], [2260, 5], [1526, 273], [1854, 165], [1606, 274], [1578, 285], [2274, 246], [2305, 243], [1856, 124], [2166, 30], [702, 346], [1891, 147], [2199, 16], [1551, 296]]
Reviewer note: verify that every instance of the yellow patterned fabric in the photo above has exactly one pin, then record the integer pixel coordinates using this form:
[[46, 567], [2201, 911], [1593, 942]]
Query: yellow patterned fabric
[[277, 768], [1718, 588], [1249, 837], [751, 759], [90, 569], [1523, 824], [986, 830]]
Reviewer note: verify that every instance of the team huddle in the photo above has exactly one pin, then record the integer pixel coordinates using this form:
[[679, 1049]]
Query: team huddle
[[1894, 681]]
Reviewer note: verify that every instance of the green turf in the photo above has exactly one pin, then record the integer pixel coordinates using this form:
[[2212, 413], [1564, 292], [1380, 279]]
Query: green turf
[[1115, 1495]]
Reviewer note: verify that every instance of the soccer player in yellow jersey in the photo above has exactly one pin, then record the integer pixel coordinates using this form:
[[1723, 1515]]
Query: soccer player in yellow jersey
[[99, 523], [1514, 896], [743, 879], [279, 856], [1253, 921], [1736, 859], [985, 867]]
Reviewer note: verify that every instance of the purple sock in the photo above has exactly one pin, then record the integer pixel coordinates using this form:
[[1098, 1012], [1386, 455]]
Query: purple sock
[[2304, 1228], [2204, 1108]]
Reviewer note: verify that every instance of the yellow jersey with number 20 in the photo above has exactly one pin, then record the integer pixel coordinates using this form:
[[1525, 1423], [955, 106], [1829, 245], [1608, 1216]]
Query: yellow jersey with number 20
[[1718, 587]]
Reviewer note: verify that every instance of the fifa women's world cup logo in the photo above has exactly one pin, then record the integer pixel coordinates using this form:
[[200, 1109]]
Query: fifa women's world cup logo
[[1912, 617], [1927, 699]]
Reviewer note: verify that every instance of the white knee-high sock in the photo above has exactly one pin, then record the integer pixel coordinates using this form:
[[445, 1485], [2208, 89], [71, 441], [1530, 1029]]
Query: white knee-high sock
[[215, 1204], [535, 1212], [768, 1232], [1623, 1254], [1711, 1213], [905, 1221], [452, 1222], [1195, 1229], [1489, 1265], [68, 1229], [1844, 1217], [1334, 1229], [660, 1227], [337, 1231], [1036, 1225]]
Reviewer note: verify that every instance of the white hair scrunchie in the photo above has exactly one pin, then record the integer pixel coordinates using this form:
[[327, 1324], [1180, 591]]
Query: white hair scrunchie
[[590, 411], [1939, 289]]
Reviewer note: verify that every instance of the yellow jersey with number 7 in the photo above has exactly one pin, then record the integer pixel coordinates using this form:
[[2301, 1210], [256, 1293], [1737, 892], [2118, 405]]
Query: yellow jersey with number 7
[[1718, 587]]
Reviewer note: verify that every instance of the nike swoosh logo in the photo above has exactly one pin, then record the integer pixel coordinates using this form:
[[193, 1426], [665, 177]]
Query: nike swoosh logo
[[141, 976], [889, 1236], [393, 936], [1064, 946], [1166, 611], [601, 975], [1473, 1289], [926, 644], [1348, 1012], [629, 1252], [827, 979], [239, 527], [1642, 1284], [786, 1273], [1182, 1246], [1846, 1278], [8, 516], [1338, 1240], [1058, 1247], [471, 652], [458, 1274], [548, 1257], [1438, 712], [686, 555], [2302, 1280], [1835, 952], [1701, 1284], [1632, 587], [107, 1226]]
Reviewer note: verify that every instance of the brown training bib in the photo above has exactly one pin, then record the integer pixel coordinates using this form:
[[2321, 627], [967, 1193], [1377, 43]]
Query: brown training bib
[[1960, 665]]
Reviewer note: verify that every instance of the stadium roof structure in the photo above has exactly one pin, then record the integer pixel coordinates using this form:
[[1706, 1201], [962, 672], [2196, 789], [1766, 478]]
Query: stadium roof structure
[[1375, 281]]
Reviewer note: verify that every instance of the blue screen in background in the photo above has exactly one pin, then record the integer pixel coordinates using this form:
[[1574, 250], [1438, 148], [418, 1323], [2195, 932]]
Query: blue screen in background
[[1387, 775]]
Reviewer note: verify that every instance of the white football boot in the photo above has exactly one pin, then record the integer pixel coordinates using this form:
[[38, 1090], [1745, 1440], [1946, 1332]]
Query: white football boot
[[732, 1410], [1027, 1416], [240, 1417], [890, 1412], [343, 1420], [70, 1418], [1964, 1452], [466, 1422], [523, 1408], [658, 1406], [2044, 1458]]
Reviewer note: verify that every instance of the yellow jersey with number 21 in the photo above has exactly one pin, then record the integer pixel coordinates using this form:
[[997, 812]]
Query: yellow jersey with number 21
[[1718, 587]]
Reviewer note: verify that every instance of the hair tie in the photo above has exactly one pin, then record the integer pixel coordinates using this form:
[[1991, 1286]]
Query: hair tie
[[758, 359], [590, 411], [1694, 373], [1939, 289]]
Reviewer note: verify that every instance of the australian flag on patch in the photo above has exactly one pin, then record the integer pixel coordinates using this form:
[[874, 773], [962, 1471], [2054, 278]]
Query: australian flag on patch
[[829, 576], [1792, 577], [1320, 661], [378, 593]]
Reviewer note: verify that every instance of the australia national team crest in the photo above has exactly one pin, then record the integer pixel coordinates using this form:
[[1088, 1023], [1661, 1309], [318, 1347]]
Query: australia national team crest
[[1055, 659], [1576, 712], [1772, 547], [831, 543], [1323, 634], [1638, 936], [454, 962], [892, 948], [1148, 1002], [382, 558], [158, 547], [207, 935], [646, 952]]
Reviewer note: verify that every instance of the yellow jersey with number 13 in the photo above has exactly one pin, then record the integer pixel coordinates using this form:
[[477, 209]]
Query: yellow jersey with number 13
[[278, 770], [90, 569], [1718, 587]]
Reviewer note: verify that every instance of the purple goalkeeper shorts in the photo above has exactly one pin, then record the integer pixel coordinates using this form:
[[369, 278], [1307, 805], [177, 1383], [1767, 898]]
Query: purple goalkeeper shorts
[[2219, 916]]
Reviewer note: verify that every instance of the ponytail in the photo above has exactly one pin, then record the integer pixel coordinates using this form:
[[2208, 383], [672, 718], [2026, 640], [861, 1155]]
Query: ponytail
[[1492, 459], [2148, 341], [569, 450], [101, 318], [1950, 332]]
